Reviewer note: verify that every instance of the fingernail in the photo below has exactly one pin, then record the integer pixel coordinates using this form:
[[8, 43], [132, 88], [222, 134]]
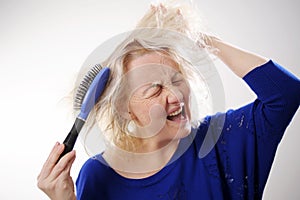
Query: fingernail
[[59, 147], [73, 152]]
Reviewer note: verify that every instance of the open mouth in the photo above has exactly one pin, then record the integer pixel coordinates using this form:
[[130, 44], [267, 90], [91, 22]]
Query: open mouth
[[177, 115]]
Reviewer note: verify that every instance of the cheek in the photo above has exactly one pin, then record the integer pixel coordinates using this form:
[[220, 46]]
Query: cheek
[[186, 92], [140, 109]]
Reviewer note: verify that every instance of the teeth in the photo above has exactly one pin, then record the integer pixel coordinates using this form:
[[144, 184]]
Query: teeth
[[175, 112]]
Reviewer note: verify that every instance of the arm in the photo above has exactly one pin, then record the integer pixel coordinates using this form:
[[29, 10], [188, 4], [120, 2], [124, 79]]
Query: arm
[[276, 88], [253, 132], [238, 60], [256, 129]]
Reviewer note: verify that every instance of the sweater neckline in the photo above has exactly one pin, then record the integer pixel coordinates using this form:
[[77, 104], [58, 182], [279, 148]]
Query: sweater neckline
[[183, 147]]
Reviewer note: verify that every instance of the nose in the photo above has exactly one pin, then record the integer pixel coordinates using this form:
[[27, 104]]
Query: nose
[[174, 95]]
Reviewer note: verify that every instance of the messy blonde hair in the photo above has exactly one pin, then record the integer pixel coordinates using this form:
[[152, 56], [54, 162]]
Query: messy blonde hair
[[171, 29]]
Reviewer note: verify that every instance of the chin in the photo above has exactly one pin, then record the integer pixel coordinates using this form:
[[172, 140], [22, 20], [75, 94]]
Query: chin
[[183, 131], [178, 131]]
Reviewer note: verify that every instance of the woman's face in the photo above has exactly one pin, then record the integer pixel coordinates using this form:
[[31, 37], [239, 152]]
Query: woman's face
[[159, 98]]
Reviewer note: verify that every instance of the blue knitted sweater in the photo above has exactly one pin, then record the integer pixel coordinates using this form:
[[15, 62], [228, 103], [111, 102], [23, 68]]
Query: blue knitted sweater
[[228, 157]]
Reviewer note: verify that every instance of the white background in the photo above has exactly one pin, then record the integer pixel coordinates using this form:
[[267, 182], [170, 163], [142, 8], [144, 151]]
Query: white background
[[43, 44]]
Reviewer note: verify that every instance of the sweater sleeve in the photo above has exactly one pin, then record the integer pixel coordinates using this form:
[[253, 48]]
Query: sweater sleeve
[[247, 146], [278, 96]]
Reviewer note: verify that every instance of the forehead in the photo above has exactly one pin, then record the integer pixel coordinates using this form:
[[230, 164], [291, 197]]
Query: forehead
[[158, 58], [149, 68]]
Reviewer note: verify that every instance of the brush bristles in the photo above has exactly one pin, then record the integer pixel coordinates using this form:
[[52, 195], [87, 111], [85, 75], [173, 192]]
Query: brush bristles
[[84, 85]]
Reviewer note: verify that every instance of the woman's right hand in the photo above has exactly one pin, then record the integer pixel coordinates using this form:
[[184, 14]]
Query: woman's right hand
[[54, 178]]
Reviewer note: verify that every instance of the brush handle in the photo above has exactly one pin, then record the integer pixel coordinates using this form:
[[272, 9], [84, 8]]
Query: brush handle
[[71, 138]]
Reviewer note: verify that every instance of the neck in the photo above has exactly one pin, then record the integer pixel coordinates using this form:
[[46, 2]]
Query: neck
[[144, 162]]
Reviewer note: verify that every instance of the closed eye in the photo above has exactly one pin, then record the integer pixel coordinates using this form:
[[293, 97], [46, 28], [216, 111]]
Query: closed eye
[[177, 82], [152, 91], [177, 79]]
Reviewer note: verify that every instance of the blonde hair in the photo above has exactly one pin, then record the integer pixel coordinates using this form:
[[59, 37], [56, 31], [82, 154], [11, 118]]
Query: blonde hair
[[171, 29]]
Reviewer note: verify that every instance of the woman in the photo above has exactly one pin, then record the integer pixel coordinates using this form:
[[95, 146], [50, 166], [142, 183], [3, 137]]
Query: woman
[[157, 149]]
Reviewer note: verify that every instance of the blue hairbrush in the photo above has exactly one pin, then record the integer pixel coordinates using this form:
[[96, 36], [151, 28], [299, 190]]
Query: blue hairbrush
[[87, 95]]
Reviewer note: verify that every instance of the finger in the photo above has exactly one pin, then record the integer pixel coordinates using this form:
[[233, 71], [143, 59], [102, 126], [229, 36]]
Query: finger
[[49, 164], [62, 165], [65, 174], [53, 159], [69, 165]]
